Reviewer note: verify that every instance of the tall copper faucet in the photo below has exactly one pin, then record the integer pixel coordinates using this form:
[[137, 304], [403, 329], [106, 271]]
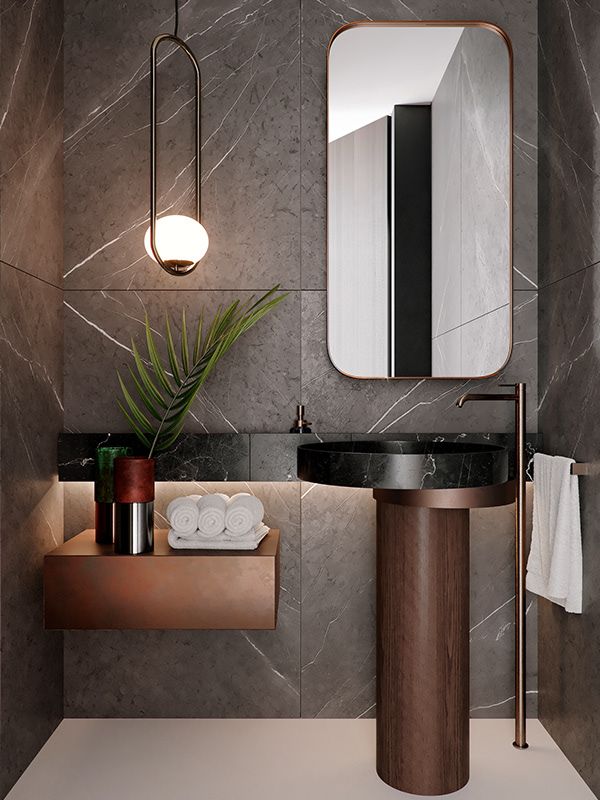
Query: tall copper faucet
[[518, 396]]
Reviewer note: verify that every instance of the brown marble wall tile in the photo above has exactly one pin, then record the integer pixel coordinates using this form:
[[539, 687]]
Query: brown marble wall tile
[[569, 644], [31, 127], [569, 109], [31, 375], [31, 523], [569, 361]]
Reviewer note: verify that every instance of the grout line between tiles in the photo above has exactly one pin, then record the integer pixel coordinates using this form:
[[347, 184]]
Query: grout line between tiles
[[31, 275]]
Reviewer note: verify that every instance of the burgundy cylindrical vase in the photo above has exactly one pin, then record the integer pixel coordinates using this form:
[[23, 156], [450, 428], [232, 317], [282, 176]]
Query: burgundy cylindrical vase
[[134, 505]]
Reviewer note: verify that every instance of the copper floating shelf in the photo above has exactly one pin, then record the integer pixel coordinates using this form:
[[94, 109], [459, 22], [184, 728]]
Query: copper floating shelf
[[88, 587]]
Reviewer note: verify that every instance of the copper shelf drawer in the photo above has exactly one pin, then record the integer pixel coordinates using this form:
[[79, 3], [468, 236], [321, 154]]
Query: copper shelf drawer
[[88, 587]]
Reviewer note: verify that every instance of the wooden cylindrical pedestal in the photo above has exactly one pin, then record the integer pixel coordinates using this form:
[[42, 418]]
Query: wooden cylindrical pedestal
[[422, 647]]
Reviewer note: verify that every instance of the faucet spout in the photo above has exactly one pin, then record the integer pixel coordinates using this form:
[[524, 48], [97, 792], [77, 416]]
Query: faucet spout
[[473, 396]]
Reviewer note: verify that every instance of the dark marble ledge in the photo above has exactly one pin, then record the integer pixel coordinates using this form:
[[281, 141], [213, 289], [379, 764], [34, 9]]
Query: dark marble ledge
[[242, 456]]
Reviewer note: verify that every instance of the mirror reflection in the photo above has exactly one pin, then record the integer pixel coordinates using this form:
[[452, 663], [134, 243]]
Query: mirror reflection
[[419, 200]]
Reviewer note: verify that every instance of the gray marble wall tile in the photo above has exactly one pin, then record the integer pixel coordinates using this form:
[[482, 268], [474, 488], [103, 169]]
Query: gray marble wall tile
[[31, 164], [338, 602], [335, 402], [255, 387], [318, 23], [569, 327], [338, 607], [192, 673], [264, 201], [569, 399], [569, 81], [493, 614], [249, 55], [32, 510], [321, 19], [31, 379]]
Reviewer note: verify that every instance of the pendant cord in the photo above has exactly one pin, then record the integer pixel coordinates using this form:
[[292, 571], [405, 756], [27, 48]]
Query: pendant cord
[[176, 29]]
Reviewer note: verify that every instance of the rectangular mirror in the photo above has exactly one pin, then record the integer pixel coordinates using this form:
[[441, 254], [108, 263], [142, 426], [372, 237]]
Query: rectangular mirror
[[419, 200]]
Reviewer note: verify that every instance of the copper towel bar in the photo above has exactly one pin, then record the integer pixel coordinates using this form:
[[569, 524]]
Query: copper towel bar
[[586, 469]]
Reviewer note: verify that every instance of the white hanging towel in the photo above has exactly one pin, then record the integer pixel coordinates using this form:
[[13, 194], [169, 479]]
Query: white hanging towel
[[554, 567]]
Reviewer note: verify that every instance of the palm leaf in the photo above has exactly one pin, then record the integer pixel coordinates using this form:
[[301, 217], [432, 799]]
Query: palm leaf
[[199, 334], [144, 376], [141, 420], [167, 394], [185, 356], [171, 351], [159, 371], [144, 397]]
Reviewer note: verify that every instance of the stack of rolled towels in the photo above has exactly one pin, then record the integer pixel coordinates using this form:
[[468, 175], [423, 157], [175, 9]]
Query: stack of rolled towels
[[216, 522]]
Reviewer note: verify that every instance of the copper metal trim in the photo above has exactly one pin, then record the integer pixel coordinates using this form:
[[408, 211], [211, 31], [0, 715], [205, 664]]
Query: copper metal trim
[[436, 24], [499, 494], [520, 566], [519, 398], [172, 269], [89, 587], [586, 469]]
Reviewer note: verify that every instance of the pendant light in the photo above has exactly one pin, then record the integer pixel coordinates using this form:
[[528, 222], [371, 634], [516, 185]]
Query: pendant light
[[177, 242]]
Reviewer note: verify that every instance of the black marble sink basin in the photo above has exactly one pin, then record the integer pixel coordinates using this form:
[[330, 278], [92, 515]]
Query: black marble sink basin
[[403, 465]]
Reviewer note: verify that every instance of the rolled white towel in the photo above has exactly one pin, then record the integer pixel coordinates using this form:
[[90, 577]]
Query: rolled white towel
[[211, 514], [244, 512], [221, 542], [182, 513]]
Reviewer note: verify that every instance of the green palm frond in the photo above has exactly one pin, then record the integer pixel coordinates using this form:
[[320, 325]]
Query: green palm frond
[[156, 404]]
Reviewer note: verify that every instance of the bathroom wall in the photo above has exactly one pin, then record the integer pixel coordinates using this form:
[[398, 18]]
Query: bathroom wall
[[569, 357], [470, 125], [31, 413], [264, 204]]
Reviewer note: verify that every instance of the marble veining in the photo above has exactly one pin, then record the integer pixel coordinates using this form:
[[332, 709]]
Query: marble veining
[[247, 456], [569, 355], [397, 464], [218, 457], [338, 403], [569, 128], [264, 200], [249, 55], [31, 379], [32, 508], [262, 370]]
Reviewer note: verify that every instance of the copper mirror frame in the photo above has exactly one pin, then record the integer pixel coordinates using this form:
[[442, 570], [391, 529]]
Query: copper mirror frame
[[438, 24]]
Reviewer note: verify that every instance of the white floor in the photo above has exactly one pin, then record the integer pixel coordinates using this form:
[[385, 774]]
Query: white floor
[[272, 760]]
